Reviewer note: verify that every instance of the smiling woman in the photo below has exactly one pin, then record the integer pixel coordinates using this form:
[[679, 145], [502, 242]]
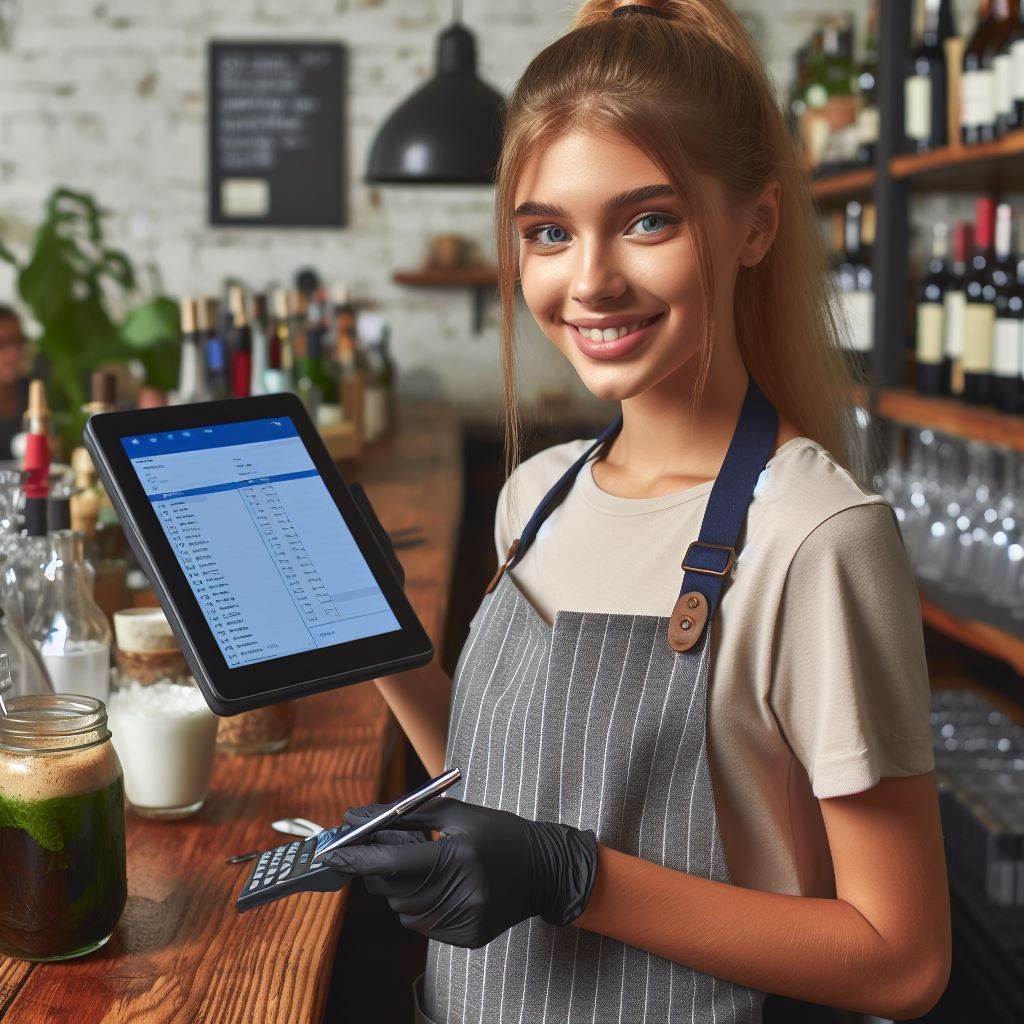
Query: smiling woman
[[666, 813]]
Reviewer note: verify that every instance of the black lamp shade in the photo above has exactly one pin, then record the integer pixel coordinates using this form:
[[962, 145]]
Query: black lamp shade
[[447, 132]]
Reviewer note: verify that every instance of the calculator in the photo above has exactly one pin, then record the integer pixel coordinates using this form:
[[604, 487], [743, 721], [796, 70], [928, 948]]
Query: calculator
[[292, 868], [299, 866]]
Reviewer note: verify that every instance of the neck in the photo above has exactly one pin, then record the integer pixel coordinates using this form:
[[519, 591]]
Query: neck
[[668, 432]]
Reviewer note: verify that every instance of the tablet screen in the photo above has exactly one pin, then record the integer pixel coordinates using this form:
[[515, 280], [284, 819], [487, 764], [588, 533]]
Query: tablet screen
[[258, 536]]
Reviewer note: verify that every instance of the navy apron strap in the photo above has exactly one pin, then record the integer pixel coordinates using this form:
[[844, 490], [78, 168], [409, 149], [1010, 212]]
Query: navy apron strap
[[709, 560]]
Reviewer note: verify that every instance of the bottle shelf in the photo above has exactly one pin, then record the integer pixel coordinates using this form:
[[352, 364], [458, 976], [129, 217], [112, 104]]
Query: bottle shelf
[[840, 187], [951, 416], [980, 636], [480, 281], [990, 166]]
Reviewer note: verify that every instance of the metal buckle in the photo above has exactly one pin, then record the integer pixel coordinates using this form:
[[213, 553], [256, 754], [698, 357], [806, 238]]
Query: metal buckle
[[718, 547]]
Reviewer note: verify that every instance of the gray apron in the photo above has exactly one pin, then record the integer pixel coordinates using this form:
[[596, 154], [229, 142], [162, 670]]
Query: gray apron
[[597, 721]]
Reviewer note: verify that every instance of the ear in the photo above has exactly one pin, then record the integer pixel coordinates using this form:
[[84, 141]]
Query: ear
[[763, 223]]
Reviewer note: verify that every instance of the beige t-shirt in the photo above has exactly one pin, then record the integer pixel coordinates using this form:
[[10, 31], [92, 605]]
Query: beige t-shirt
[[819, 684]]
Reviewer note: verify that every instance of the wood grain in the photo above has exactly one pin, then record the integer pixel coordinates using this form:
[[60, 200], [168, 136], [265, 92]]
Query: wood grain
[[952, 416], [181, 953]]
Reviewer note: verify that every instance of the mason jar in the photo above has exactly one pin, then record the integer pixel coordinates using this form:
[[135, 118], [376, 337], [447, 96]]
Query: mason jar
[[63, 881]]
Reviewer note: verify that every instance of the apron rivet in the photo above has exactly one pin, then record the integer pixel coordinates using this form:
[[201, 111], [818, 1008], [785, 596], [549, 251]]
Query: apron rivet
[[693, 602], [686, 622]]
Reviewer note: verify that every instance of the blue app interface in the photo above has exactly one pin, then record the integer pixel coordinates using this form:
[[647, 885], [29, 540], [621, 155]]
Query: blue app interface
[[262, 543]]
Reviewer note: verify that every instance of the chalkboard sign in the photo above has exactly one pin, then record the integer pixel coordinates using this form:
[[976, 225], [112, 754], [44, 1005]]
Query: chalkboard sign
[[276, 134]]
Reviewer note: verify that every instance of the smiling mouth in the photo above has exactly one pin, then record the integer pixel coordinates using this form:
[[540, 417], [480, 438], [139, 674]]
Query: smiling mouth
[[614, 333]]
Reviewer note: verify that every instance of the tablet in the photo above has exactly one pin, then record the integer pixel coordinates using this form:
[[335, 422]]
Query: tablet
[[273, 572]]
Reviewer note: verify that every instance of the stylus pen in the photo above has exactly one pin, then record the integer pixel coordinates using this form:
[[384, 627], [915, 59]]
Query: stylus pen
[[409, 803]]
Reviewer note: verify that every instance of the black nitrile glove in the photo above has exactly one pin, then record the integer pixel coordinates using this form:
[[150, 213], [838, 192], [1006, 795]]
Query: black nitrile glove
[[489, 870]]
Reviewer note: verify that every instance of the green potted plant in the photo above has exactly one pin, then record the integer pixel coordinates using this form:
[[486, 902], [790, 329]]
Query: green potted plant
[[66, 281]]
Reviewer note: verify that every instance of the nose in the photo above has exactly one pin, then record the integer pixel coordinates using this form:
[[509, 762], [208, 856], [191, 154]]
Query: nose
[[596, 278]]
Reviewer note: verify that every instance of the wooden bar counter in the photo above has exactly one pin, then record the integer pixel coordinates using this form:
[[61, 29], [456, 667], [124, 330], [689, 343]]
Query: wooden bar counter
[[181, 953]]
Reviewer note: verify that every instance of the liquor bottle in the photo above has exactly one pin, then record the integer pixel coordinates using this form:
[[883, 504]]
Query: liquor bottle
[[1016, 45], [855, 284], [212, 344], [977, 80], [305, 387], [1009, 303], [924, 91], [279, 375], [955, 307], [1002, 67], [980, 310], [932, 367], [867, 87], [322, 367], [241, 343], [372, 331], [258, 336], [192, 363]]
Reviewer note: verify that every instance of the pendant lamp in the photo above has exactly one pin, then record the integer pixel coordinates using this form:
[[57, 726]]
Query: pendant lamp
[[448, 131]]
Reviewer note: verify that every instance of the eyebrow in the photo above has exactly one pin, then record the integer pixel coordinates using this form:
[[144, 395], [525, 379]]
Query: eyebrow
[[642, 194]]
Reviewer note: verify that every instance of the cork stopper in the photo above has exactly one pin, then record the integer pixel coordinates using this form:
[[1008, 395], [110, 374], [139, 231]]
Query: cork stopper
[[188, 315], [280, 304], [103, 389], [37, 416]]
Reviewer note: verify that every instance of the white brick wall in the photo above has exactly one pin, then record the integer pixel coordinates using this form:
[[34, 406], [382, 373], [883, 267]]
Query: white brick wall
[[108, 96]]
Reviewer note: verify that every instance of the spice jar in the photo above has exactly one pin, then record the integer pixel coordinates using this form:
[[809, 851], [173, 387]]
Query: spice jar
[[62, 847], [263, 731]]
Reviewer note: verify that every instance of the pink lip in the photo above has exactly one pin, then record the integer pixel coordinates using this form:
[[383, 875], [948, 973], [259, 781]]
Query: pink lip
[[617, 349]]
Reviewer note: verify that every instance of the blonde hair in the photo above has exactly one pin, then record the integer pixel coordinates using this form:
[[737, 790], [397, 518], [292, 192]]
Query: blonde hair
[[691, 90]]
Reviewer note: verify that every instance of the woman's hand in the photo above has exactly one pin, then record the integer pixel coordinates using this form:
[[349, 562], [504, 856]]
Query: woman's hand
[[489, 870]]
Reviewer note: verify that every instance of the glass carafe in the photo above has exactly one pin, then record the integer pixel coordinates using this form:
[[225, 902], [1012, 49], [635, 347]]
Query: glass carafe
[[68, 626], [28, 673]]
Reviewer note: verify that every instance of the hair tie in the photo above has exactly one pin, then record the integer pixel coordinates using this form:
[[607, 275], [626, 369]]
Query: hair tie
[[627, 9]]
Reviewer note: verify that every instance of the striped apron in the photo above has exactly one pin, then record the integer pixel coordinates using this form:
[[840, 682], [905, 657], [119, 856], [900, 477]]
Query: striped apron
[[598, 721]]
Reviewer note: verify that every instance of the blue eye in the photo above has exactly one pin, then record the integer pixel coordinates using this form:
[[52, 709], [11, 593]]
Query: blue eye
[[557, 235], [656, 218]]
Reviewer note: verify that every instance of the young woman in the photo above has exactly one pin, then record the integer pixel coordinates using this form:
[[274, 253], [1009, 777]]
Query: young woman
[[692, 711]]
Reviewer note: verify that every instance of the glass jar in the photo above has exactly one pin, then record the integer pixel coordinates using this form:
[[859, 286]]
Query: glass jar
[[63, 881], [263, 731]]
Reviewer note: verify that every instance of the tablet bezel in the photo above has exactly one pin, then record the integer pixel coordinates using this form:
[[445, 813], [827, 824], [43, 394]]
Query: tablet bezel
[[231, 690]]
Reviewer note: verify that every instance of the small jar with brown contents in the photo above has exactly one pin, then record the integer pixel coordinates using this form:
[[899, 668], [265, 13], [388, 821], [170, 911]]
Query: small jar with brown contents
[[263, 731]]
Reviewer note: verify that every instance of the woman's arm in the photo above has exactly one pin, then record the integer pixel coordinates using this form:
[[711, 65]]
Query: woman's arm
[[881, 947], [419, 699]]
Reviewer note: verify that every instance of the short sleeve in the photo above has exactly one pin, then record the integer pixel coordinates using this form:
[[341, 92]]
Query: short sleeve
[[849, 681]]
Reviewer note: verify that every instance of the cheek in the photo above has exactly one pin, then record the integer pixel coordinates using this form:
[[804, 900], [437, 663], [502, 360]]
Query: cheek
[[544, 284]]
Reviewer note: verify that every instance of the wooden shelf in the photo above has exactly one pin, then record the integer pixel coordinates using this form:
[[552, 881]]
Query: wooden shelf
[[951, 416], [464, 277], [997, 166], [978, 635], [843, 186], [480, 280]]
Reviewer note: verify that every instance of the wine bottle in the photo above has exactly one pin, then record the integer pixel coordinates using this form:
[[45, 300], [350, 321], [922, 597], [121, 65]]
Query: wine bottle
[[977, 81], [1006, 338], [924, 91], [1016, 45], [980, 310], [855, 284], [955, 307], [1002, 67], [258, 334], [192, 363], [241, 343], [217, 379], [867, 86], [932, 367]]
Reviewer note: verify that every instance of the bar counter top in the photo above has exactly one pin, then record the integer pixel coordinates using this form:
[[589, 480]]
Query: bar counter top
[[181, 953]]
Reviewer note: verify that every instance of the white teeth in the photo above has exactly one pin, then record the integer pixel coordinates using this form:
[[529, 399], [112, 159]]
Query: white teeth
[[610, 333]]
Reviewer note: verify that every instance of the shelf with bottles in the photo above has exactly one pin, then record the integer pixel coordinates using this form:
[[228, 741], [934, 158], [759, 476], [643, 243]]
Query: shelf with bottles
[[991, 166], [951, 416], [840, 187]]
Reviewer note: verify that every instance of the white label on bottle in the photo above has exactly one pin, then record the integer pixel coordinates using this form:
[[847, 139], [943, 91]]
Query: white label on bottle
[[860, 313], [375, 411], [917, 107], [1006, 348], [955, 305], [1002, 68], [977, 98], [868, 122], [979, 326], [930, 317], [1017, 70]]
